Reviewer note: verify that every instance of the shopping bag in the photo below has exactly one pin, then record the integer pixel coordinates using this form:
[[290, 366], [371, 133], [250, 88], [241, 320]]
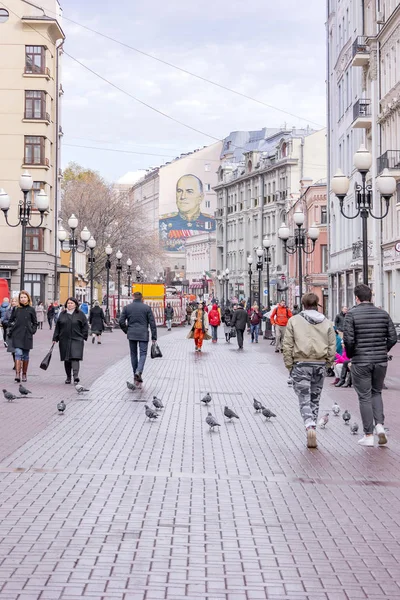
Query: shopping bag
[[155, 351], [232, 332], [46, 361]]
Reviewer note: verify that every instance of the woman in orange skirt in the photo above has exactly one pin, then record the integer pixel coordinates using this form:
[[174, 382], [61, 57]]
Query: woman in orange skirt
[[199, 331]]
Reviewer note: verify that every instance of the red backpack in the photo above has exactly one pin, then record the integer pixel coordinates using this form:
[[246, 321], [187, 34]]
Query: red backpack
[[214, 318]]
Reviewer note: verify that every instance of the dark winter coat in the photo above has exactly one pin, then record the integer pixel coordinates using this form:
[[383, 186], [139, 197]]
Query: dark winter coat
[[135, 320], [169, 313], [22, 327], [71, 332], [240, 319], [97, 319], [339, 321], [5, 312], [369, 334]]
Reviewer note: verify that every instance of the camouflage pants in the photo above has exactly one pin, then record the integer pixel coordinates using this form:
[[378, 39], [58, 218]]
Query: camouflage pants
[[308, 381]]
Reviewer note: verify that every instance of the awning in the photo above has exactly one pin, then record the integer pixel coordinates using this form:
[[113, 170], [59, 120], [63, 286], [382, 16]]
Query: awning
[[196, 285]]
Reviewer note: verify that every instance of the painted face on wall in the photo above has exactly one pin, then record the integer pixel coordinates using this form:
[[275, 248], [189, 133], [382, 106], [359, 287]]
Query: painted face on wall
[[189, 195]]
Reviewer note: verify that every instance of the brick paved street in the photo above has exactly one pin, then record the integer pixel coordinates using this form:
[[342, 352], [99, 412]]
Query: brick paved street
[[101, 503]]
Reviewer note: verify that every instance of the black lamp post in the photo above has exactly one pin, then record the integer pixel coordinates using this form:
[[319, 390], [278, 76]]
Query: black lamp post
[[250, 272], [139, 274], [260, 254], [73, 243], [386, 186], [119, 271], [299, 242], [129, 273], [204, 282], [267, 260], [91, 245], [24, 214], [108, 267], [226, 277]]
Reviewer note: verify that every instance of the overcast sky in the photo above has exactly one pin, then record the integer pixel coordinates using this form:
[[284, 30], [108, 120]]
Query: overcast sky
[[272, 51]]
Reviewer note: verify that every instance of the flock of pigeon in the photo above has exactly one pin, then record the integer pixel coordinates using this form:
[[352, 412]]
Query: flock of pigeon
[[346, 416], [24, 392]]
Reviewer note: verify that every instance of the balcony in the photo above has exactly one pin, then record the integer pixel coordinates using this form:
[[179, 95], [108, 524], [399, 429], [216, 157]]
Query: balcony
[[37, 72], [43, 164], [390, 160], [360, 52], [362, 118]]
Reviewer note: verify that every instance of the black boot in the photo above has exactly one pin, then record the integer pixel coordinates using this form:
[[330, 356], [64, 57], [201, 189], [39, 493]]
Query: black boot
[[343, 374], [348, 380]]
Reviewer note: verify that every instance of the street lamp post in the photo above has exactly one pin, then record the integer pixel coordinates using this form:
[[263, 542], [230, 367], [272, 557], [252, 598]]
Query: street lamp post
[[129, 273], [108, 267], [386, 186], [24, 214], [91, 245], [73, 243], [299, 242], [138, 273], [267, 260], [119, 270], [204, 281], [250, 272], [226, 277], [260, 254]]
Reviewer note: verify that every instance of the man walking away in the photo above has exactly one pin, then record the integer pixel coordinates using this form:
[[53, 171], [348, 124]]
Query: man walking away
[[369, 334], [169, 315], [255, 322], [240, 320], [135, 320], [309, 346], [279, 318], [339, 320], [50, 315]]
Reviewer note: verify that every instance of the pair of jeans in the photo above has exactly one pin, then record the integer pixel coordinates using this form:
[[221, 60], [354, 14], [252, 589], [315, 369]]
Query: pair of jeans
[[368, 382], [239, 334], [138, 362], [214, 332], [50, 322], [21, 354], [71, 366], [254, 330], [169, 323]]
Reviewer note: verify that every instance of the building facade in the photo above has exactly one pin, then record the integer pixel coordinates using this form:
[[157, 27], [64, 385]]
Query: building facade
[[259, 179], [30, 133], [200, 257]]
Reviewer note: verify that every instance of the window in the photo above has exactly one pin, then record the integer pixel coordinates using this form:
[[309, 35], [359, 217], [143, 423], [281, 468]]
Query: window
[[324, 259], [208, 203], [207, 187], [34, 239], [324, 215], [207, 167], [35, 59], [35, 105], [34, 150]]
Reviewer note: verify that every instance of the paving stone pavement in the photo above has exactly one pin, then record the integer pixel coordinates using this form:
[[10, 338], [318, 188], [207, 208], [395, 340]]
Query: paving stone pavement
[[101, 503]]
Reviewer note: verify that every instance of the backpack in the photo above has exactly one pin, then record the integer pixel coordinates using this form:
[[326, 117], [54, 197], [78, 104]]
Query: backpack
[[254, 318], [213, 318]]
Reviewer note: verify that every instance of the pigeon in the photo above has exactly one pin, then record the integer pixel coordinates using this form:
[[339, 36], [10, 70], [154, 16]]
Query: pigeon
[[268, 413], [80, 389], [157, 403], [61, 406], [336, 409], [150, 413], [9, 396], [23, 391], [257, 405], [354, 428], [211, 421], [323, 422], [346, 416], [230, 414], [207, 398], [130, 386]]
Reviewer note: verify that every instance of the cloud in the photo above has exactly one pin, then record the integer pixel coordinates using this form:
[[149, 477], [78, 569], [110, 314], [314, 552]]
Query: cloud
[[274, 52]]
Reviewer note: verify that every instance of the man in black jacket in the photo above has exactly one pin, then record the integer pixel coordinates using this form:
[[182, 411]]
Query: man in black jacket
[[240, 320], [135, 320], [369, 334], [340, 319]]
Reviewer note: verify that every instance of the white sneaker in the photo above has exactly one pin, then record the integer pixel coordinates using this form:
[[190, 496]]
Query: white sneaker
[[367, 441], [381, 433]]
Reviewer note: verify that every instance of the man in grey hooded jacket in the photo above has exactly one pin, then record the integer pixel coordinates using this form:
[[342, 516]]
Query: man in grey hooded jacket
[[309, 346]]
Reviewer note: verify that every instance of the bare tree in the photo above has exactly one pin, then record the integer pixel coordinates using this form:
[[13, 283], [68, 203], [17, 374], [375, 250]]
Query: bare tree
[[112, 218]]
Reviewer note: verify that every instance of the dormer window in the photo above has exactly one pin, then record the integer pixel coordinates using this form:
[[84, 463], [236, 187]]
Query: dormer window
[[284, 150], [249, 166]]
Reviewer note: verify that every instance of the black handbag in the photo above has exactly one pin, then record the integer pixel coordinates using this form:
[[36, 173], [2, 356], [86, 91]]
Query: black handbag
[[155, 351], [232, 332], [46, 361]]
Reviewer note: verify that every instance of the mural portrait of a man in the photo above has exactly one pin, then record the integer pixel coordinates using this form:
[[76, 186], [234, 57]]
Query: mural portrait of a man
[[177, 226]]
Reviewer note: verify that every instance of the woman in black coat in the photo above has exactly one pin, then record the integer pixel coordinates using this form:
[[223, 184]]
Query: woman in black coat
[[22, 328], [96, 320], [71, 332]]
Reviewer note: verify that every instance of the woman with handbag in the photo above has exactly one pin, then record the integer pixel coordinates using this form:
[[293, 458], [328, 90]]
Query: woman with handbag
[[199, 328], [227, 318], [96, 322], [22, 328], [71, 332]]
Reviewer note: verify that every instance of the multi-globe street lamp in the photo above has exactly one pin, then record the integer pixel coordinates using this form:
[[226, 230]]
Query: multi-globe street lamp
[[24, 213], [204, 282], [91, 245], [73, 243], [139, 274], [118, 256], [108, 267], [386, 185], [267, 260], [250, 272], [223, 279], [129, 273], [299, 242]]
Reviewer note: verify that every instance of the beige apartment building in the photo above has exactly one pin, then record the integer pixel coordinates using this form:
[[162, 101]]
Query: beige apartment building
[[30, 132]]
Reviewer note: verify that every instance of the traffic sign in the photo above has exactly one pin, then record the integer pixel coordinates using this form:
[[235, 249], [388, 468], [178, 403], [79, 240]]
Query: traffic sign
[[265, 291]]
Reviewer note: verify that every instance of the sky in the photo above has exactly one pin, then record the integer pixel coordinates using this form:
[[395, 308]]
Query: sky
[[272, 51]]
